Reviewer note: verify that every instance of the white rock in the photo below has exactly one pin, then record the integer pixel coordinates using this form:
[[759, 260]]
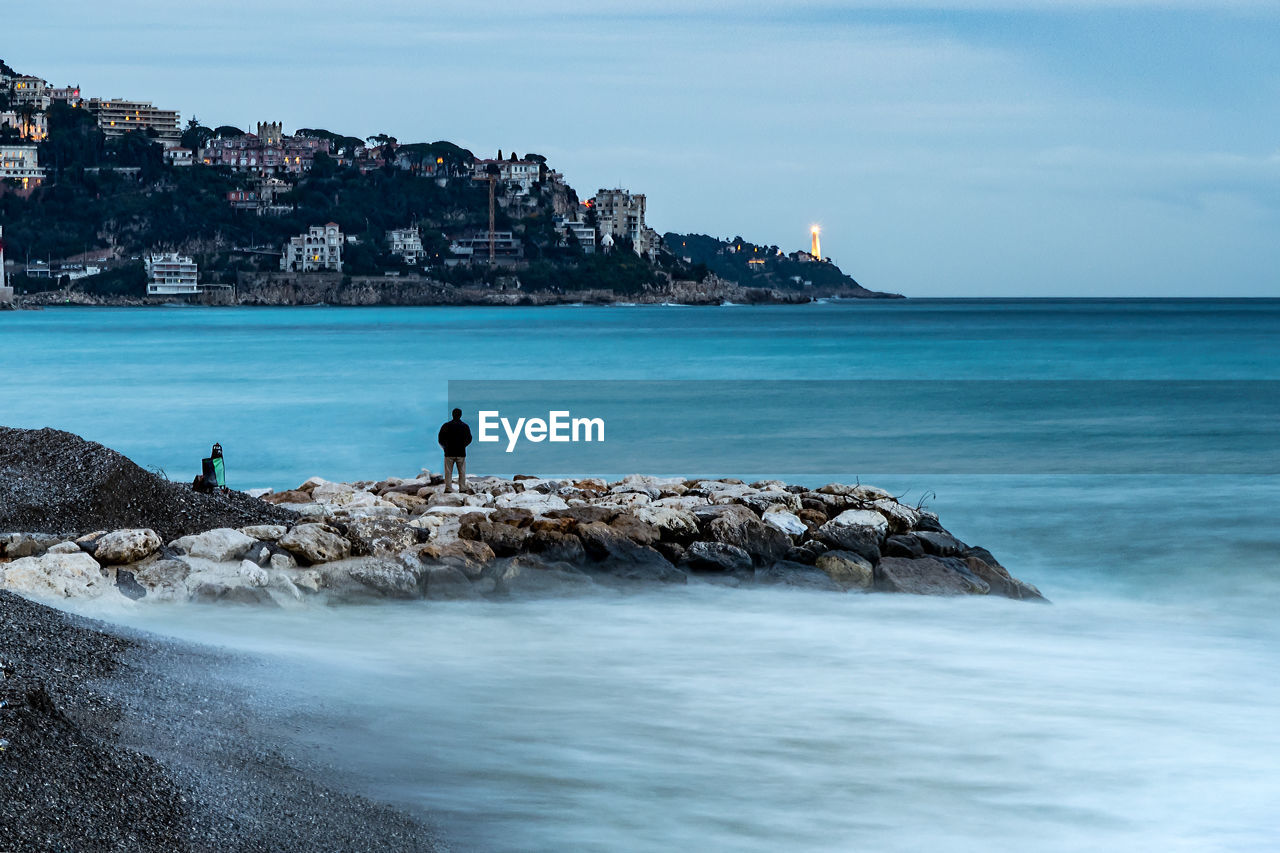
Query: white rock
[[535, 502], [257, 493], [126, 546], [683, 501], [672, 521], [264, 532], [455, 511], [788, 522], [861, 518], [280, 562], [316, 542], [219, 545], [65, 548], [626, 500], [56, 576], [253, 574]]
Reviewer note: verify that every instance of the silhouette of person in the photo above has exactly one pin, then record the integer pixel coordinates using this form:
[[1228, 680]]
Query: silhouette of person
[[454, 437]]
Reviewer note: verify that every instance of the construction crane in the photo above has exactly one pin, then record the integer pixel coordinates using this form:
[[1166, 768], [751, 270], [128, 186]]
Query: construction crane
[[492, 178]]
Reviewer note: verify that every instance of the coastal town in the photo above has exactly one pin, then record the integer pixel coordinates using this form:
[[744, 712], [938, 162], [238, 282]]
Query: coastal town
[[272, 216]]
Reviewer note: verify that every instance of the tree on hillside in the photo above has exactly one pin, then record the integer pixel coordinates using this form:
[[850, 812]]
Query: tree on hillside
[[136, 149], [196, 136], [75, 140], [227, 131]]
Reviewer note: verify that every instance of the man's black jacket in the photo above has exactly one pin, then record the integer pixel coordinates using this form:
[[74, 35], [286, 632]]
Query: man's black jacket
[[454, 438]]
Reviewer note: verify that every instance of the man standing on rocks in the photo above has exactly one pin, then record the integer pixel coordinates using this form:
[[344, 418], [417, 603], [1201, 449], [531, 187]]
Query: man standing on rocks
[[454, 437]]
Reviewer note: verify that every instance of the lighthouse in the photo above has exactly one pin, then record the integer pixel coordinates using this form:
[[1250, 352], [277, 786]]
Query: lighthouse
[[816, 250]]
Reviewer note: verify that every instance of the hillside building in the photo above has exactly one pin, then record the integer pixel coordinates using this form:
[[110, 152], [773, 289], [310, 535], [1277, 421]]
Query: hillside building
[[621, 214], [32, 125], [21, 163], [171, 274], [508, 250], [407, 243], [117, 117], [522, 173], [317, 250], [267, 152]]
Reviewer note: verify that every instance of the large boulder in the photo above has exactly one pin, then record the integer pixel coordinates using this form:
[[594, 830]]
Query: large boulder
[[847, 569], [762, 501], [467, 556], [220, 545], [506, 540], [858, 530], [928, 576], [556, 546], [535, 502], [126, 546], [19, 545], [939, 544], [315, 543], [671, 523], [164, 580], [380, 535], [786, 521], [902, 545], [717, 557], [630, 526], [265, 532], [389, 578], [985, 566], [763, 542], [56, 576], [621, 557]]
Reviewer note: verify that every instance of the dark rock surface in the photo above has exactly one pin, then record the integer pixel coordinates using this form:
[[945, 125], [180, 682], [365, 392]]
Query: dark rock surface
[[55, 482]]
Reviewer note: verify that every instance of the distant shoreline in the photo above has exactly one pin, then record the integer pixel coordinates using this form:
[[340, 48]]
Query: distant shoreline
[[389, 295]]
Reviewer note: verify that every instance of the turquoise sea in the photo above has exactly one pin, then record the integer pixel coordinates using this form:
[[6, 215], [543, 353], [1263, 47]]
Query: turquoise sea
[[1135, 713]]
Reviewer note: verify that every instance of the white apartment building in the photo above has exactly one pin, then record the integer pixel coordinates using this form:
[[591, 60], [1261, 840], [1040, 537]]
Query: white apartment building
[[171, 274], [407, 243], [319, 249], [20, 163]]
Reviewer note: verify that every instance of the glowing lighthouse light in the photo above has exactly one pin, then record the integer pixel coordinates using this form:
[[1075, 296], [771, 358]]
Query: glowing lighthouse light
[[816, 250]]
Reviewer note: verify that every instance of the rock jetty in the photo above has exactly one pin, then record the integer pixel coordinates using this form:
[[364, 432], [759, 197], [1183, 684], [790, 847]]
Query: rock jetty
[[408, 538]]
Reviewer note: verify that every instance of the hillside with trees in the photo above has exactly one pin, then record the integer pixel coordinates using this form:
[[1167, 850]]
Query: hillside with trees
[[120, 196]]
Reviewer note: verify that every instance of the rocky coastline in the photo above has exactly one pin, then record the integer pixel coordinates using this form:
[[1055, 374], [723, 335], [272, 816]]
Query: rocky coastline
[[295, 289], [113, 530]]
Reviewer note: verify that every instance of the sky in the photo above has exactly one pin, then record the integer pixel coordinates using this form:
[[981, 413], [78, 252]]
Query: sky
[[945, 147]]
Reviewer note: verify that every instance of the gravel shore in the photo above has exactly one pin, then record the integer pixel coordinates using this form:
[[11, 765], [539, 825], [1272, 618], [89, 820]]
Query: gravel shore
[[116, 741]]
